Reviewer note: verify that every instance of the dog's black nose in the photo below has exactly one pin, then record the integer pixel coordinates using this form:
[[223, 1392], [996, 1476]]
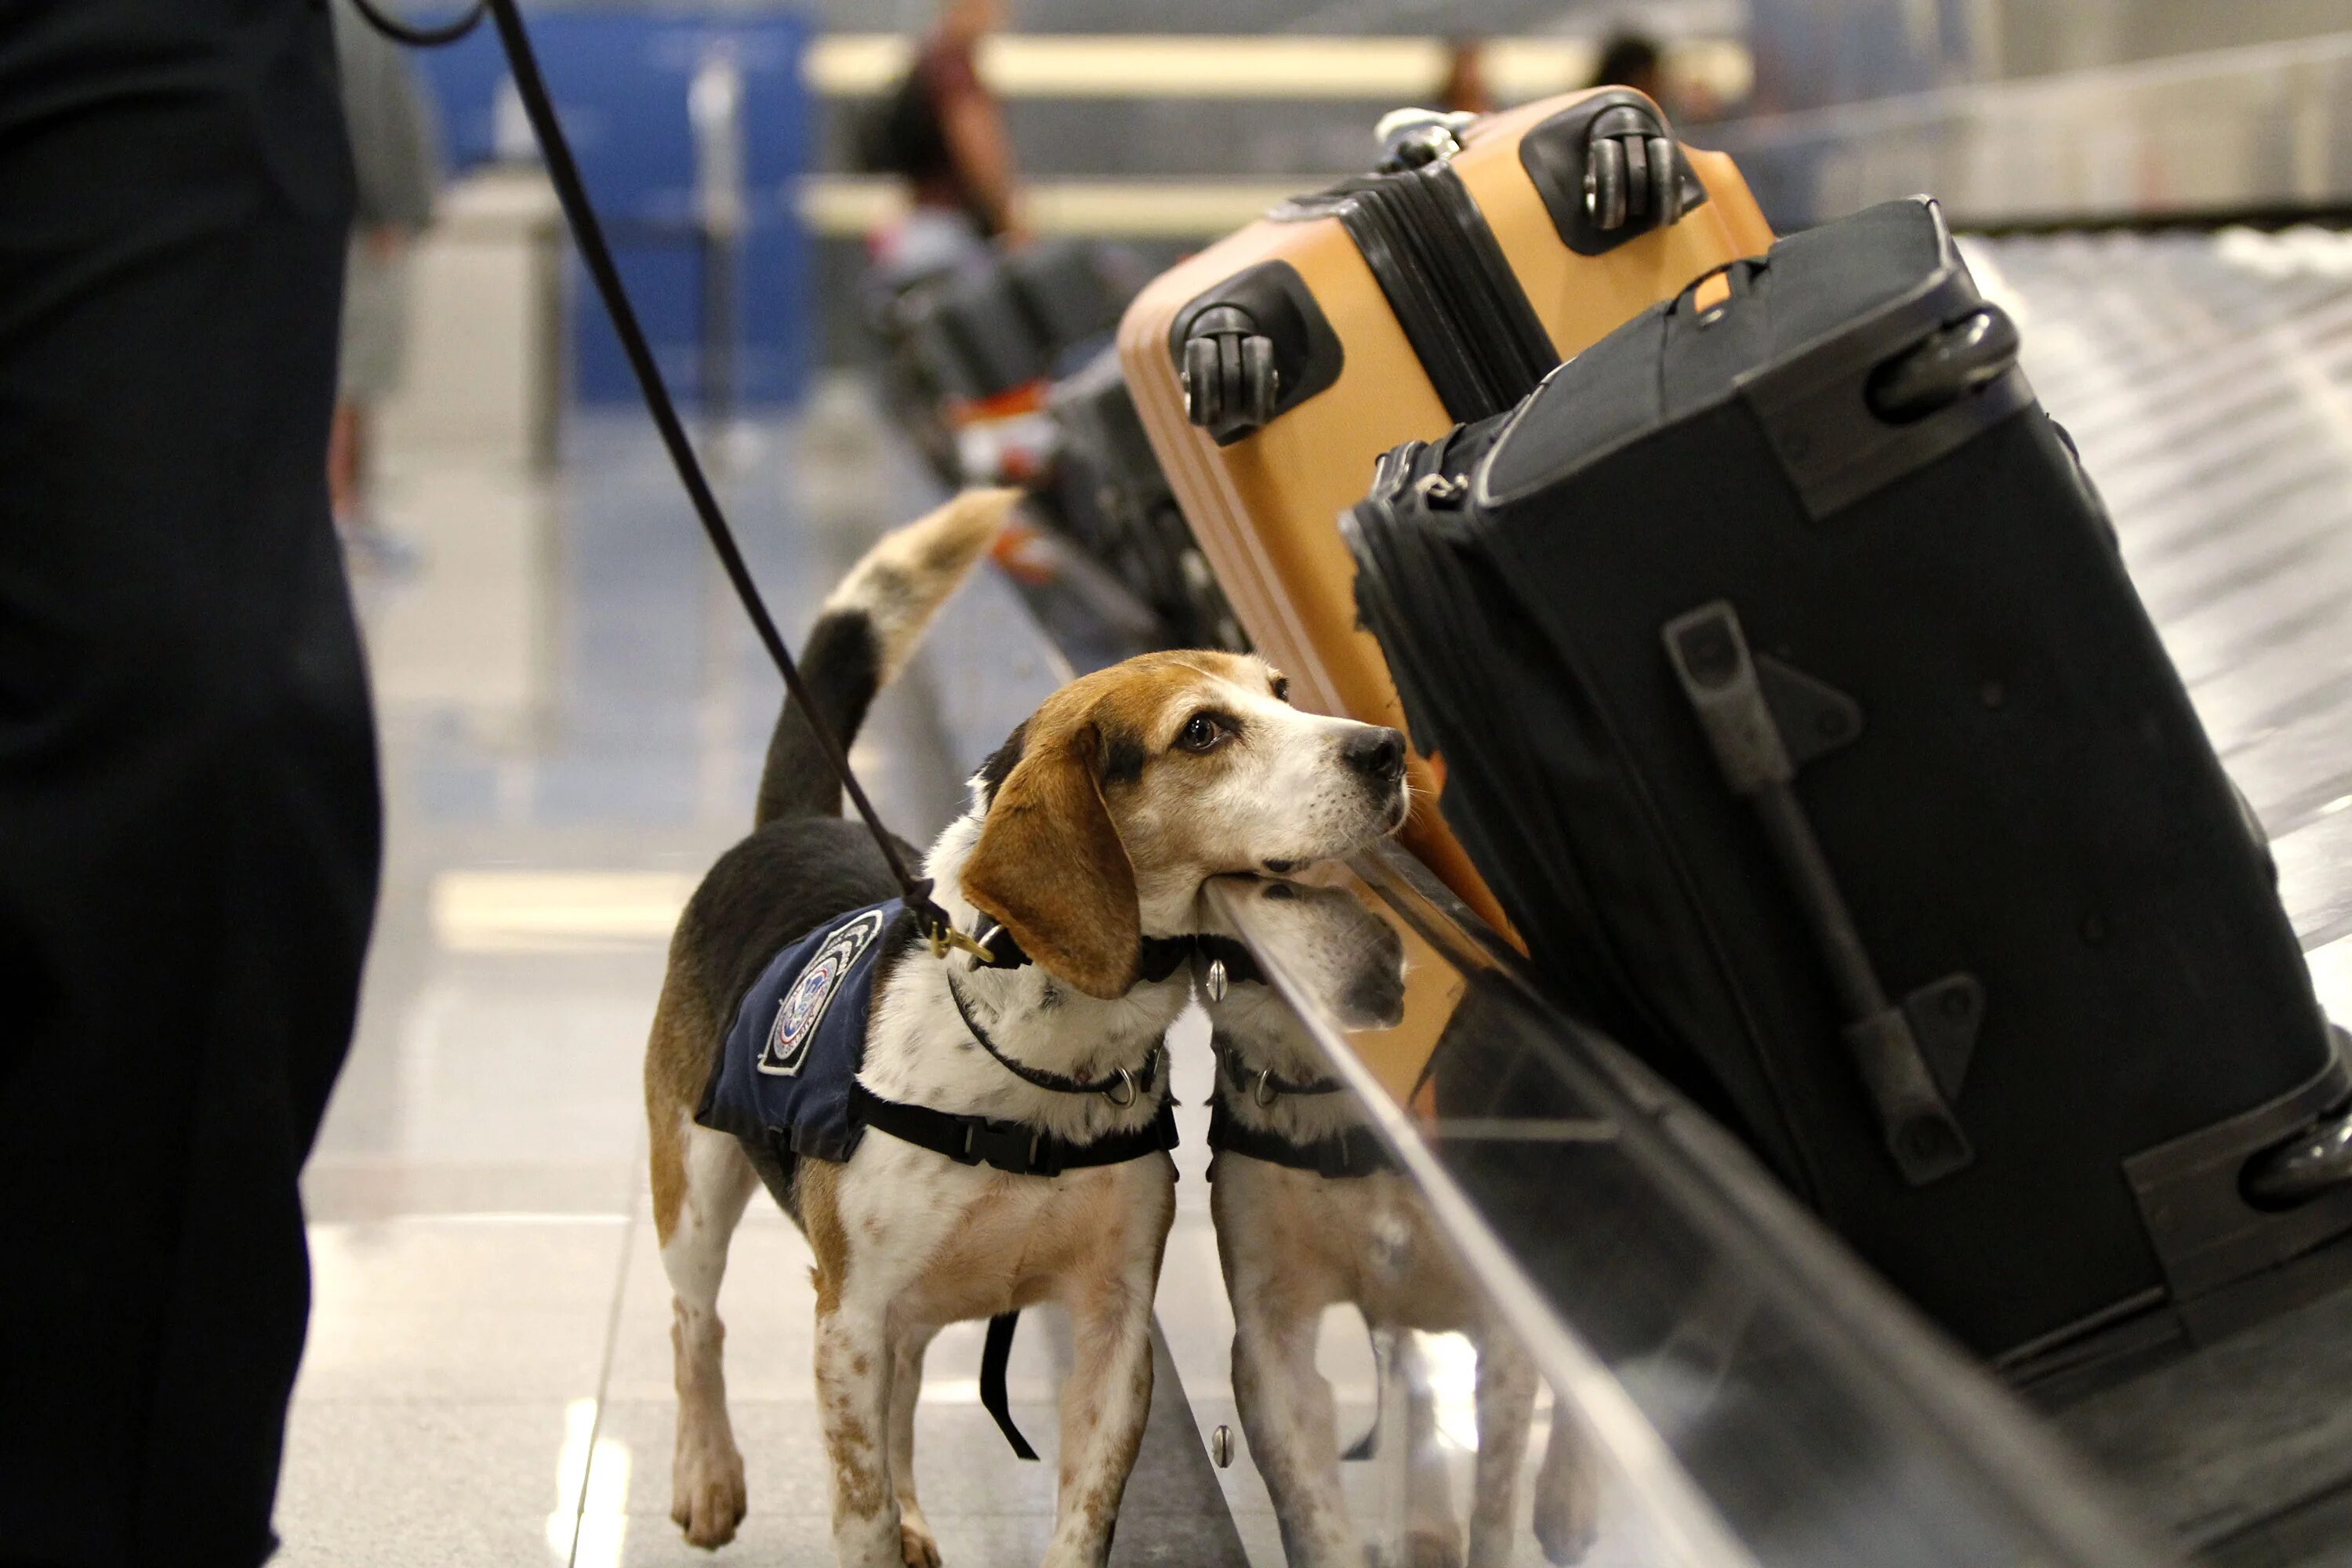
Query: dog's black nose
[[1377, 755]]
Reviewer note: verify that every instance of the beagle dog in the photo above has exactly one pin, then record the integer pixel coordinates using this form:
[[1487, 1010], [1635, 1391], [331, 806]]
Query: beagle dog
[[1310, 1213], [1081, 854]]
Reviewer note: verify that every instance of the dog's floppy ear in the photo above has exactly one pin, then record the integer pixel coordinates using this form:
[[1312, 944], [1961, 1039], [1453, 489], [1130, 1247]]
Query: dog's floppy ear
[[1050, 869]]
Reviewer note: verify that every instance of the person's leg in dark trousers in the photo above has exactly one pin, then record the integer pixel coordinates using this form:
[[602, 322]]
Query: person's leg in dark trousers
[[188, 808]]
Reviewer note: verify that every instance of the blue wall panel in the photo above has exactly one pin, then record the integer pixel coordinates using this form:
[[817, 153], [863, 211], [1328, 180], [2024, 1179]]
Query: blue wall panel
[[620, 78]]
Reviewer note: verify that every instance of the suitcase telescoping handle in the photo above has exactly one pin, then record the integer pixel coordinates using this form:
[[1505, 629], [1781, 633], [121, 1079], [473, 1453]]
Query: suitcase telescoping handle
[[1764, 720]]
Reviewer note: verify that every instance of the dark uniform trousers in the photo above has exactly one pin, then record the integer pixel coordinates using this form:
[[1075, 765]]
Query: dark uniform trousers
[[189, 819]]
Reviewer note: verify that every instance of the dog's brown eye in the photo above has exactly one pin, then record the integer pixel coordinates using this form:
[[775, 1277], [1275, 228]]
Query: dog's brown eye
[[1202, 733], [1282, 688]]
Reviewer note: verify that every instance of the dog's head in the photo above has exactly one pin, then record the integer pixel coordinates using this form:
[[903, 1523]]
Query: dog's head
[[1129, 787]]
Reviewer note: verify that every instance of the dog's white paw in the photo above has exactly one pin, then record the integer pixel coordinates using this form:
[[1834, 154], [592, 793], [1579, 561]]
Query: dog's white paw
[[916, 1547], [1434, 1546], [707, 1498]]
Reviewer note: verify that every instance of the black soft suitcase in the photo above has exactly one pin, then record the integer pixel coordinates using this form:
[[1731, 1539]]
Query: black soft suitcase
[[1023, 314], [1072, 292], [1108, 493], [974, 333], [1800, 714]]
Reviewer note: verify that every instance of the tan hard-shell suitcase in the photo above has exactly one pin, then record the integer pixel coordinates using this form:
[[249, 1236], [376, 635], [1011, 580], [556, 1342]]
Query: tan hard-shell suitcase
[[1306, 363]]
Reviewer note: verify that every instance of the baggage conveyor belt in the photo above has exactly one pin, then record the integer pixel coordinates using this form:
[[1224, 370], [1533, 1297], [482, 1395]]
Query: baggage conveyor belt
[[2207, 378]]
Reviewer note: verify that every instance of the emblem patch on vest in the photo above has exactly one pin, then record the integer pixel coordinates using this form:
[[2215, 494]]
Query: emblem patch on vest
[[803, 1008]]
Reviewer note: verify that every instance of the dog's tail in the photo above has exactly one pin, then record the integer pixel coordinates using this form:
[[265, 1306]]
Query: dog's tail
[[864, 633]]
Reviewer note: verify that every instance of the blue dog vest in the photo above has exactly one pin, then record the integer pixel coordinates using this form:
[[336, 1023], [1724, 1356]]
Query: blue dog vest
[[792, 1055]]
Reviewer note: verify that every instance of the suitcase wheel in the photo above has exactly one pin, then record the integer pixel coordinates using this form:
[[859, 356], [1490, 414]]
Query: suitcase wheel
[[1631, 177], [2314, 1163], [1966, 356], [1604, 184], [1203, 388], [1666, 183], [1261, 384], [1230, 381], [1637, 176]]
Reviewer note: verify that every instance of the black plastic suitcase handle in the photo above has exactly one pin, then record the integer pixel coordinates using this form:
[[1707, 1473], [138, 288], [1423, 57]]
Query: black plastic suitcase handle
[[1763, 719]]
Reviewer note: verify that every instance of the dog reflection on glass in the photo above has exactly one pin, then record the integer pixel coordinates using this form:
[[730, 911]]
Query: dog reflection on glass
[[998, 1149], [1311, 1213]]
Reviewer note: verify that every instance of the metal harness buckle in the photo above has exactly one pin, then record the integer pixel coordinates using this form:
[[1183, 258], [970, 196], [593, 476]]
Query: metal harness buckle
[[1009, 1146]]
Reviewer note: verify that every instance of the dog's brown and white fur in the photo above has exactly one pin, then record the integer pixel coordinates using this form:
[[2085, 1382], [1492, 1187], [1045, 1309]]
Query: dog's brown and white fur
[[1094, 827], [1295, 1242]]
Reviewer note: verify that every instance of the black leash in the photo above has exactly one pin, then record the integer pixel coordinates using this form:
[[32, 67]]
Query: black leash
[[589, 234], [996, 1354], [417, 38], [563, 171]]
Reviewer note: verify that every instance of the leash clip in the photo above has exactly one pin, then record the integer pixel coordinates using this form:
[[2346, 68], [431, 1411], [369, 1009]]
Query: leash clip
[[945, 938], [938, 932]]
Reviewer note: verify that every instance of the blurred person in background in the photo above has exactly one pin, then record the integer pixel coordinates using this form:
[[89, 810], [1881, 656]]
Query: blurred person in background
[[943, 132], [188, 799], [396, 163], [1465, 90], [1635, 60]]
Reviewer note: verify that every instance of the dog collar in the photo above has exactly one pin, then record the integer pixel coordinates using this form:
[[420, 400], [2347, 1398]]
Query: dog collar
[[1122, 1088], [1265, 1086], [1156, 958]]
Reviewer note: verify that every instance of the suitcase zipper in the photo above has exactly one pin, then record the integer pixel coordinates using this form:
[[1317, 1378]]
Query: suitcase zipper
[[1447, 282], [1513, 337]]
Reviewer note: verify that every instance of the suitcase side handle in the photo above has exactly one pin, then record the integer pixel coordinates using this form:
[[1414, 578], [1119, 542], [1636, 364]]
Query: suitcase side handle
[[1763, 719]]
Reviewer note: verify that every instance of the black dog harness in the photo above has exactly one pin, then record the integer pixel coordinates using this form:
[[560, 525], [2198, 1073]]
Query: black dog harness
[[1014, 1147], [787, 1077], [787, 1072], [1351, 1151]]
